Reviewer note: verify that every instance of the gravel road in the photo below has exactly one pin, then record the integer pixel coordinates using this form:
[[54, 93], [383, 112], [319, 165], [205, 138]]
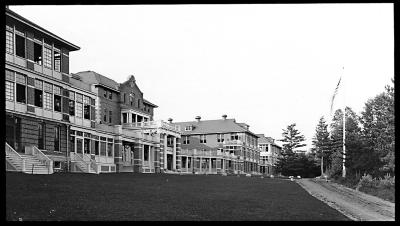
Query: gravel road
[[355, 205]]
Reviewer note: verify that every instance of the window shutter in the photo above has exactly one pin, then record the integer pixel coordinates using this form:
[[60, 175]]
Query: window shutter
[[31, 95]]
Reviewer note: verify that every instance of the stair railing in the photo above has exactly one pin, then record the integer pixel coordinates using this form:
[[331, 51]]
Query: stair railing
[[43, 159], [80, 160], [10, 151], [93, 163]]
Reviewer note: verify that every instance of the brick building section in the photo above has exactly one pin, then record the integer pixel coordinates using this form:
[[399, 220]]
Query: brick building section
[[137, 158]]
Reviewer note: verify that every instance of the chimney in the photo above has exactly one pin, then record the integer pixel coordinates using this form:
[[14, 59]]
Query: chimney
[[170, 120], [247, 127], [198, 118], [224, 116]]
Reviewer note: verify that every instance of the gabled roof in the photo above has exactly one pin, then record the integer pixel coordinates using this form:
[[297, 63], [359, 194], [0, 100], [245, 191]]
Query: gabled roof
[[263, 139], [212, 126], [95, 78], [68, 45]]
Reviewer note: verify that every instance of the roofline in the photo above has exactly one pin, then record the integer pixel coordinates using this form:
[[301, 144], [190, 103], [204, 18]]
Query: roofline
[[108, 87], [22, 19], [149, 103]]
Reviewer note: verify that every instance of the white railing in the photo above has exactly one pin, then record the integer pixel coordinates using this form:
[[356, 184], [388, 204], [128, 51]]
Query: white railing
[[43, 159], [10, 151], [92, 162], [78, 159]]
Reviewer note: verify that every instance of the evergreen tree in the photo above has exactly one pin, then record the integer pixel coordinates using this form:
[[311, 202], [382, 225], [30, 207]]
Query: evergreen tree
[[321, 143], [378, 127], [292, 140]]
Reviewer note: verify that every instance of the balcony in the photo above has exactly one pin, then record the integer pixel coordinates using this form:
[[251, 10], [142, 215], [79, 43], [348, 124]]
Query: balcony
[[233, 142], [152, 125]]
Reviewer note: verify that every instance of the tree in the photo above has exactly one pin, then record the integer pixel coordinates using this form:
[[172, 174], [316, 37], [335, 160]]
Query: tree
[[292, 139], [359, 158], [378, 127], [321, 142]]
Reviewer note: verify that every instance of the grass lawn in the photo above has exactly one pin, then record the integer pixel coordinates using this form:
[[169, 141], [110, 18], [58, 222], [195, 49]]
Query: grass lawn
[[128, 196]]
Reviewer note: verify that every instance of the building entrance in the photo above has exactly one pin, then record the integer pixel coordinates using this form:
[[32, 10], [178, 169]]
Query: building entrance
[[169, 161]]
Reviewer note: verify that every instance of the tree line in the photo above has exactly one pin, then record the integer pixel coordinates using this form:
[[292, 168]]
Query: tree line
[[370, 142]]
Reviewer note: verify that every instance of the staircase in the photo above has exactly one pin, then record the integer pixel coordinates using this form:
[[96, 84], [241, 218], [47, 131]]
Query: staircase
[[82, 164], [25, 163]]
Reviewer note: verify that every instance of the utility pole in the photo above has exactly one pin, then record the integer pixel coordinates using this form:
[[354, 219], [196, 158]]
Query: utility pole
[[344, 130]]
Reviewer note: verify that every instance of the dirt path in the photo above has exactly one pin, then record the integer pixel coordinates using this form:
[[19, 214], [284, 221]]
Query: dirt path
[[353, 204]]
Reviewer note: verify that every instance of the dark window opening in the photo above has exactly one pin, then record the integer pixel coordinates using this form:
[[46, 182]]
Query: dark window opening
[[21, 93], [57, 138], [124, 118], [41, 136], [20, 46], [37, 53], [57, 103], [38, 98], [57, 61], [86, 112], [105, 93], [146, 155], [86, 146], [57, 165], [110, 116], [71, 107], [110, 95], [96, 147], [105, 115]]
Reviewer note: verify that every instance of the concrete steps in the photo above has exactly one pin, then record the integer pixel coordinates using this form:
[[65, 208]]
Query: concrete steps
[[32, 164]]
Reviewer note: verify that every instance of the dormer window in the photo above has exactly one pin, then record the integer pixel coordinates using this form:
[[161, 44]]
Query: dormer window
[[188, 128]]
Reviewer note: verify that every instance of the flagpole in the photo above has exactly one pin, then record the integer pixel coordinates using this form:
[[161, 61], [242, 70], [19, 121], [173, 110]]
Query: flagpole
[[344, 129]]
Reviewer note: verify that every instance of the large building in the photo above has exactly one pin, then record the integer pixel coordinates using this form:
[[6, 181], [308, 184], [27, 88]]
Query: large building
[[217, 146], [81, 122], [269, 154]]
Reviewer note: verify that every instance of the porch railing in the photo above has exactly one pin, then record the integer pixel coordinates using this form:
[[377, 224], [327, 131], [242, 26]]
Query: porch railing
[[10, 151], [43, 159], [92, 162]]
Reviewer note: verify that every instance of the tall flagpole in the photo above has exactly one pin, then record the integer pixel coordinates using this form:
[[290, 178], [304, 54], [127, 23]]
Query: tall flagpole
[[344, 129]]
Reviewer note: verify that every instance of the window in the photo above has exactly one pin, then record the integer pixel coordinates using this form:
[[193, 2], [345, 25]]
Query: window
[[124, 118], [131, 98], [57, 135], [188, 128], [37, 53], [105, 93], [20, 45], [124, 100], [9, 42], [110, 95], [109, 150], [138, 103], [79, 145], [21, 88], [234, 136], [96, 147], [79, 110], [110, 116], [47, 101], [86, 146], [57, 103], [186, 140], [9, 91], [56, 165], [203, 139], [103, 148], [41, 137], [105, 115], [220, 138], [71, 103], [57, 60], [146, 154], [47, 57], [86, 110], [38, 93]]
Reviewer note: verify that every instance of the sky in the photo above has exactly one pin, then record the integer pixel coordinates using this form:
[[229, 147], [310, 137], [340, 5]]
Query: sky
[[267, 65]]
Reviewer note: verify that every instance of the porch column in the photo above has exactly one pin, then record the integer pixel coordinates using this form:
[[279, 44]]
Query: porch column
[[210, 165], [174, 154], [136, 118], [201, 161], [165, 152], [187, 163]]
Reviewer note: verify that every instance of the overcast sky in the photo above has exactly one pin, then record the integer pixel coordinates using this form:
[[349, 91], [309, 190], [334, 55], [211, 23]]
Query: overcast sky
[[266, 65]]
